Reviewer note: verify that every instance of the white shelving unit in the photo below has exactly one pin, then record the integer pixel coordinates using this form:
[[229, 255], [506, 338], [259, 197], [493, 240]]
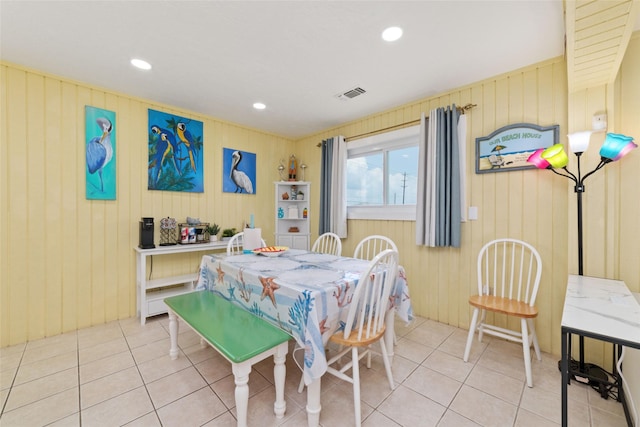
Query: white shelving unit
[[292, 210], [151, 293]]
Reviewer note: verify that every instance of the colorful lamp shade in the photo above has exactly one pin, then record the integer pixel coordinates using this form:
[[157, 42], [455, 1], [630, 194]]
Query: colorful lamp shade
[[537, 160], [579, 141], [556, 156], [616, 146]]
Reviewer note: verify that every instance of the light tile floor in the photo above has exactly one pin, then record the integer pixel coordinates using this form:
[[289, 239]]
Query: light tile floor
[[120, 374]]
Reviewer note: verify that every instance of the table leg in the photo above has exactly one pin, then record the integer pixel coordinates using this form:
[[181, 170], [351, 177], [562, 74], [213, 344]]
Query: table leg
[[241, 373], [313, 403], [173, 335], [279, 375], [564, 367]]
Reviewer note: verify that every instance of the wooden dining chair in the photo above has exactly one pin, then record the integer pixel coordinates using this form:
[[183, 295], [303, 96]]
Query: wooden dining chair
[[235, 244], [372, 245], [508, 278], [365, 323], [328, 243]]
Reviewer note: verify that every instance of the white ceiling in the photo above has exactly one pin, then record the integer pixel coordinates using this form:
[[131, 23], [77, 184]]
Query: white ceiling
[[218, 58]]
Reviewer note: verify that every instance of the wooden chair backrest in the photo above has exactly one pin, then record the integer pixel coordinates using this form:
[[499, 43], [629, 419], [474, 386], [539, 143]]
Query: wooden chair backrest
[[509, 268], [370, 302], [328, 243], [371, 246]]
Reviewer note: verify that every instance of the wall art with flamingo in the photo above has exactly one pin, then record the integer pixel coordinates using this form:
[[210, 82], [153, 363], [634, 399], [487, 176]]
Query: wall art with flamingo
[[100, 126], [175, 153], [238, 171]]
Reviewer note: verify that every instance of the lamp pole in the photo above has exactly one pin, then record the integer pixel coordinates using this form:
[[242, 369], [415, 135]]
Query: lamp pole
[[594, 373], [615, 147]]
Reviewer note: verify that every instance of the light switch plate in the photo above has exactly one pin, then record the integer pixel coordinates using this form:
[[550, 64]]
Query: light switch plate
[[473, 213]]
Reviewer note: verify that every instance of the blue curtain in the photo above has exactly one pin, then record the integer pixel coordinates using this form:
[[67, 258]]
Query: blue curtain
[[438, 209], [326, 171], [333, 187]]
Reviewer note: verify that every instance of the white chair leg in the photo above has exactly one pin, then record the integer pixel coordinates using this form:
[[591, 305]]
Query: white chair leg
[[356, 385], [301, 385], [472, 329], [534, 337], [483, 317], [387, 363], [526, 350]]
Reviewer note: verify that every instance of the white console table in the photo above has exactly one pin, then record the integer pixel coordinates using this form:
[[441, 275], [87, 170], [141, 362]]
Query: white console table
[[602, 309], [151, 293]]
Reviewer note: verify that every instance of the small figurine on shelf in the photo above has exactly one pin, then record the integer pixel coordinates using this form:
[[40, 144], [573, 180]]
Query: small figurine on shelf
[[304, 213], [293, 168]]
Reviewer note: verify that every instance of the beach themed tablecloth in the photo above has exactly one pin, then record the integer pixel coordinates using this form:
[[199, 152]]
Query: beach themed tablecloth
[[304, 293]]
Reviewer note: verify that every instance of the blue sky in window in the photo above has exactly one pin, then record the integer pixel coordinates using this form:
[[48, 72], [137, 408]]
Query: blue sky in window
[[365, 178]]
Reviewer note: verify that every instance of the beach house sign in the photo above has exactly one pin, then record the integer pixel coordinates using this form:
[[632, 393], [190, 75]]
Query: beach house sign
[[508, 148]]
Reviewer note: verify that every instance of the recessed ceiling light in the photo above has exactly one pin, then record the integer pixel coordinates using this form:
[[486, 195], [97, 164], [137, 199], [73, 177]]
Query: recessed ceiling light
[[259, 106], [139, 63], [392, 34]]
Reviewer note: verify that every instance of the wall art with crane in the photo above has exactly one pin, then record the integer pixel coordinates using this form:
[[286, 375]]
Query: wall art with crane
[[238, 171], [100, 134], [176, 149]]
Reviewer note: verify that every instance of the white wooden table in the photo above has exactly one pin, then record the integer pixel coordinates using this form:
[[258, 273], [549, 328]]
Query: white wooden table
[[602, 309]]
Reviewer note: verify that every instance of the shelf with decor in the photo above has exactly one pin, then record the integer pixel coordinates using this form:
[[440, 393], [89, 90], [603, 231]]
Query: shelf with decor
[[292, 216], [151, 293]]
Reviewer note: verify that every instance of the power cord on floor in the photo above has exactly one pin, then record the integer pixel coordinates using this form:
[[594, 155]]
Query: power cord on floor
[[630, 401], [606, 390]]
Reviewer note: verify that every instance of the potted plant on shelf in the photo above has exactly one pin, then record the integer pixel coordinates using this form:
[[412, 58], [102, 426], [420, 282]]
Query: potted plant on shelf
[[213, 231], [228, 233], [300, 195]]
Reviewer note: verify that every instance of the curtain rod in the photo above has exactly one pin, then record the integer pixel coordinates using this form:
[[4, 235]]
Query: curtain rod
[[401, 125]]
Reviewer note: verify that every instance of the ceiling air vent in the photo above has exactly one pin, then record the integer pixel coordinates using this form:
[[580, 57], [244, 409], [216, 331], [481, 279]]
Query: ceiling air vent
[[351, 93]]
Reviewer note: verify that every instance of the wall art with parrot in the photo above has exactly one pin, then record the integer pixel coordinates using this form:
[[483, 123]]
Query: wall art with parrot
[[175, 153]]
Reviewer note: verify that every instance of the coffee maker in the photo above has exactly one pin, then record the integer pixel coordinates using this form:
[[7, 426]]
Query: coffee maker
[[146, 233]]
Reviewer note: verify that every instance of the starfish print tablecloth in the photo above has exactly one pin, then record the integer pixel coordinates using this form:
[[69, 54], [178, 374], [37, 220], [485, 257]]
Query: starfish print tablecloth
[[304, 293]]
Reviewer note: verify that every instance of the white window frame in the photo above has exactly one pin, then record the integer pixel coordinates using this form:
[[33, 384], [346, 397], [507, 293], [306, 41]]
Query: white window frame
[[401, 138]]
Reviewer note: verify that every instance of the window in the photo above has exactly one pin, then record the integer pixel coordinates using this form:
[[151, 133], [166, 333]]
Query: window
[[382, 175]]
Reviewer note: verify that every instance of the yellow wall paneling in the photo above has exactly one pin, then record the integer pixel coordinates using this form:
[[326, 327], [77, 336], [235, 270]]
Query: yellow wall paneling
[[68, 263]]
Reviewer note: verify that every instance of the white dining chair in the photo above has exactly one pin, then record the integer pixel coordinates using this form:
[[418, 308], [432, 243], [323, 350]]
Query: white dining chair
[[365, 324], [509, 273], [328, 243], [372, 245], [235, 244]]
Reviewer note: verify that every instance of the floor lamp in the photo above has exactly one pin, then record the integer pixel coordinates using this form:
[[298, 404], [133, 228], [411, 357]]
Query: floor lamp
[[615, 147]]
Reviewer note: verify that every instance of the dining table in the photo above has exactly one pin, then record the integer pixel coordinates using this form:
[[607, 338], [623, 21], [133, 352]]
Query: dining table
[[306, 294]]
